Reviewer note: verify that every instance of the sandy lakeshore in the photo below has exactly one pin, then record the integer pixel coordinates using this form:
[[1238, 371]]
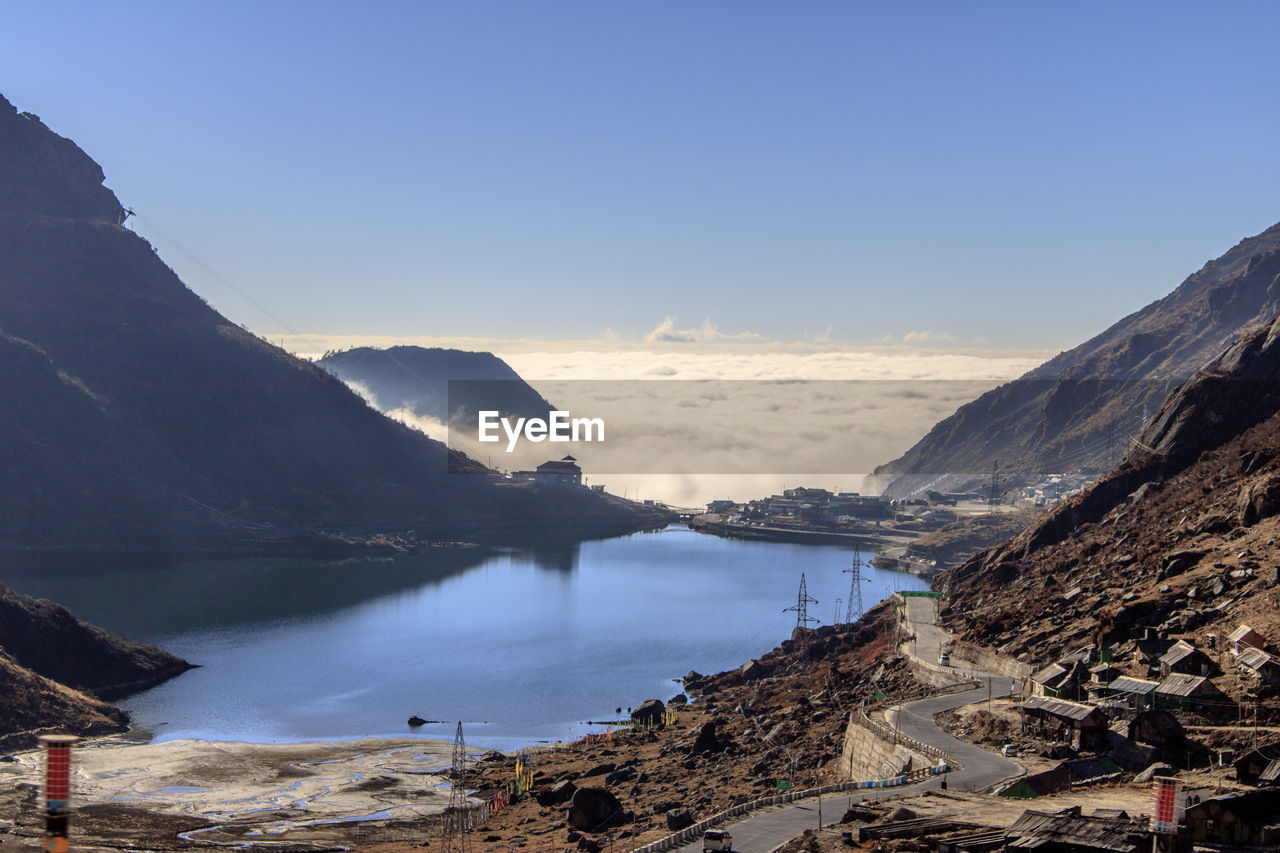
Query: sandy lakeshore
[[307, 793]]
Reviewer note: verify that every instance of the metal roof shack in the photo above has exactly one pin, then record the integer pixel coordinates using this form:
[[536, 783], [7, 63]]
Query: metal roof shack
[[1160, 729], [1080, 725], [1064, 679], [1243, 638], [1187, 692], [1076, 833], [1254, 765], [1185, 658], [1137, 692], [1247, 818], [1258, 663]]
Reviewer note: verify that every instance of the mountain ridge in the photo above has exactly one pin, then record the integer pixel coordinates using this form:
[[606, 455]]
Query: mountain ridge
[[189, 431], [1073, 412]]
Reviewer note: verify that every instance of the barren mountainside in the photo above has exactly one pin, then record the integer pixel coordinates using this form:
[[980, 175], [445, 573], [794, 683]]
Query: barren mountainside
[[50, 660], [1181, 538], [1077, 411], [137, 415]]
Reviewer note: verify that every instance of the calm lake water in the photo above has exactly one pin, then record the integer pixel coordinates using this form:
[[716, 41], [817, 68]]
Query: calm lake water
[[521, 646]]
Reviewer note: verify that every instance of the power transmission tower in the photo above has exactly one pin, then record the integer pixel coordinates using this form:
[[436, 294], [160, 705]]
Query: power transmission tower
[[802, 606], [457, 837], [855, 587], [994, 485]]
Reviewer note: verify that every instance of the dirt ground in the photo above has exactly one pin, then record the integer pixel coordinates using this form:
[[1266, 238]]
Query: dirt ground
[[190, 793]]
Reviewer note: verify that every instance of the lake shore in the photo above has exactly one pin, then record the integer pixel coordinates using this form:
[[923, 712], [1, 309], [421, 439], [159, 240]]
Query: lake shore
[[204, 791]]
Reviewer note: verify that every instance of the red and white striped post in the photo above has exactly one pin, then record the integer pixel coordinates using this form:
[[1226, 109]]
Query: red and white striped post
[[57, 790]]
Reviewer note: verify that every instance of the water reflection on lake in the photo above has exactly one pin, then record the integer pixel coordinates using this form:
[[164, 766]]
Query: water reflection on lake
[[521, 645]]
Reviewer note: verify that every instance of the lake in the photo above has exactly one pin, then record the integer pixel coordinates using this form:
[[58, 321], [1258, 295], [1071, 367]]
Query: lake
[[524, 645]]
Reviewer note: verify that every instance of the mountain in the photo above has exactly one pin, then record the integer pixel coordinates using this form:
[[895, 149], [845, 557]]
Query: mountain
[[50, 663], [417, 378], [136, 415], [1077, 411], [1182, 537]]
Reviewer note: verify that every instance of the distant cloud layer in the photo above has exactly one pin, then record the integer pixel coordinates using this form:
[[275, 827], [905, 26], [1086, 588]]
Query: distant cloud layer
[[748, 419]]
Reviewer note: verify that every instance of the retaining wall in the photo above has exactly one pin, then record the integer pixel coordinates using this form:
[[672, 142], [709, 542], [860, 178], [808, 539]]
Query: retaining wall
[[985, 660]]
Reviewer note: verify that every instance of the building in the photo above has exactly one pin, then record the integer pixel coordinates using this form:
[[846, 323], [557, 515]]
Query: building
[[1187, 692], [1261, 766], [1260, 665], [1062, 680], [558, 472], [1138, 693], [1071, 832], [1082, 726], [1243, 638], [1251, 818], [1160, 729], [1186, 659]]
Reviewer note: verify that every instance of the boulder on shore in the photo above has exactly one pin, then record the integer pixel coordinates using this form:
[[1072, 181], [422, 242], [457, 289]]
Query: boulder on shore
[[650, 712], [592, 809]]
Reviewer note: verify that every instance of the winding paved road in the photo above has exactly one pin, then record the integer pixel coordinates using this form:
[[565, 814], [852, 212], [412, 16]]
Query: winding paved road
[[768, 829]]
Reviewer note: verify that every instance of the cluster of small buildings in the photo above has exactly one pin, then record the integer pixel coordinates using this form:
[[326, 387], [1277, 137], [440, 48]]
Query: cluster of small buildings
[[806, 505], [1179, 676], [1049, 489], [1087, 702], [1240, 821]]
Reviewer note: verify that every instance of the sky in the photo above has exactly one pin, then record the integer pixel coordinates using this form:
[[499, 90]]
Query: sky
[[586, 176]]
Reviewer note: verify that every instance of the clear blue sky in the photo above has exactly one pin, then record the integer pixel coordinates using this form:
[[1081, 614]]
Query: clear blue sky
[[1018, 174]]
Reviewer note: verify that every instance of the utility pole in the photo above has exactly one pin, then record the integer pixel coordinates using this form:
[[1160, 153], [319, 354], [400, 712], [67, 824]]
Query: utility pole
[[803, 600]]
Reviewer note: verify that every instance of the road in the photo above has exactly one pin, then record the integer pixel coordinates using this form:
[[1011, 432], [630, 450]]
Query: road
[[766, 830]]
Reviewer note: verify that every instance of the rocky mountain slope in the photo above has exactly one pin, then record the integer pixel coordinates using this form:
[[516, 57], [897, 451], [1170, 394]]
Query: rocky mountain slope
[[1182, 537], [417, 379], [1077, 411], [50, 663], [138, 416]]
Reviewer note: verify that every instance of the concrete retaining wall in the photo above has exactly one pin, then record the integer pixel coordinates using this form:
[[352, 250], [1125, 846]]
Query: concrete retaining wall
[[869, 752], [970, 656]]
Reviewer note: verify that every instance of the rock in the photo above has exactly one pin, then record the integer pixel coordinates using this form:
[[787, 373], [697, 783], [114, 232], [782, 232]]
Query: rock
[[1157, 769], [44, 174], [707, 740], [679, 699], [625, 774], [859, 813], [678, 819], [560, 792], [587, 845], [753, 670], [650, 712], [665, 806], [592, 809], [599, 769]]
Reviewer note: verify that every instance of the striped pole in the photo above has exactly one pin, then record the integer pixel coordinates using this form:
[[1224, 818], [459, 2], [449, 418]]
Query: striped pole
[[57, 790]]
